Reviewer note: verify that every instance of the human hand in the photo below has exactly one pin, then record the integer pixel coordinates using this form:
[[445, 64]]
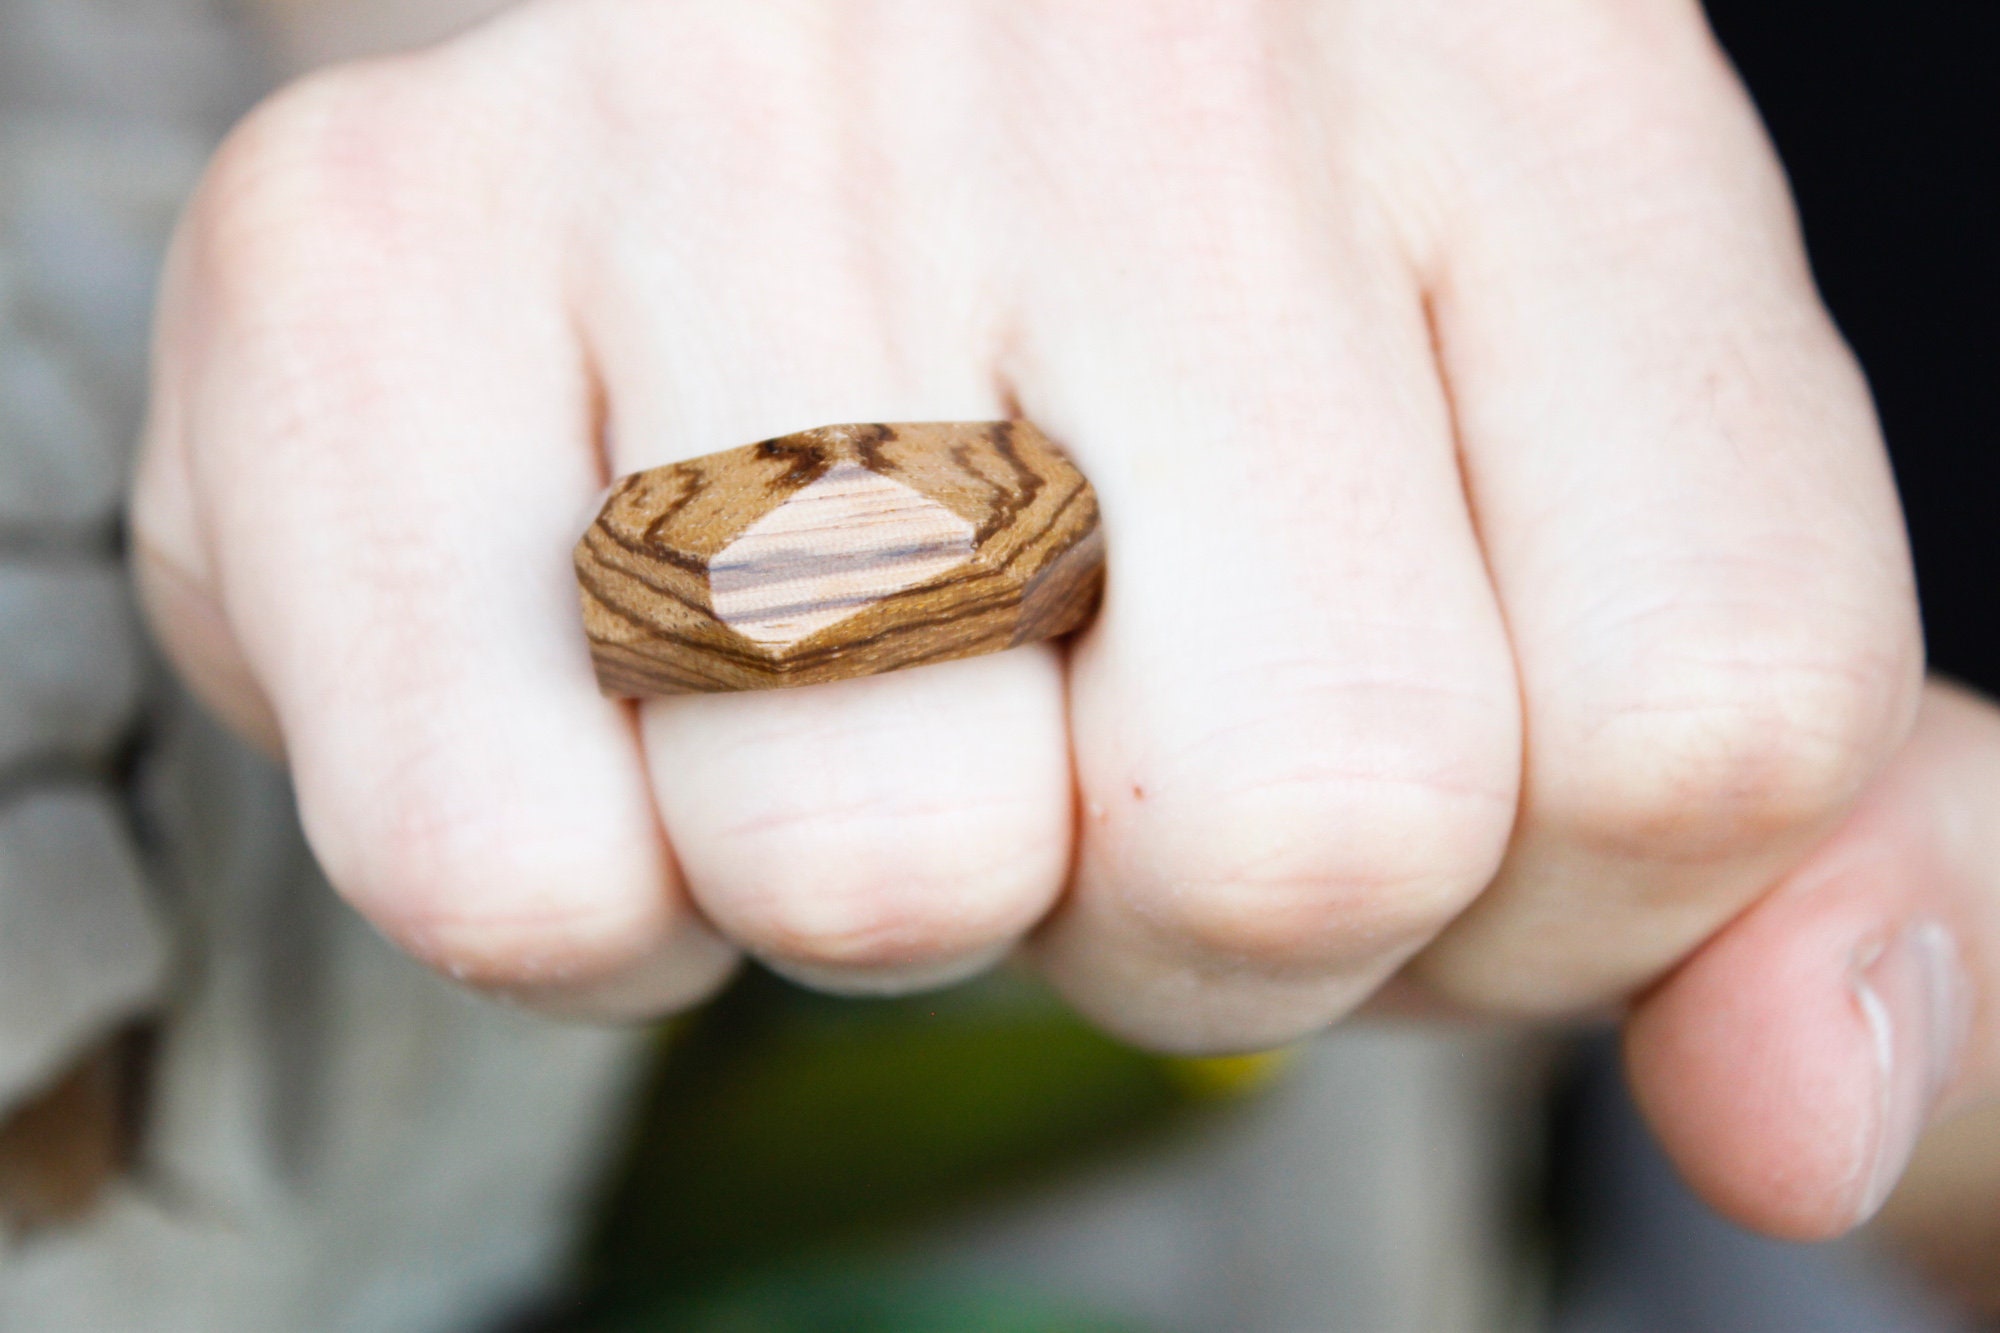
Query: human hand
[[1793, 1063], [1506, 588]]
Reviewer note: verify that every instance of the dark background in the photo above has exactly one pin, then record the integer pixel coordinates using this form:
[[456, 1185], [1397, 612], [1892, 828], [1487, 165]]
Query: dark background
[[1887, 115]]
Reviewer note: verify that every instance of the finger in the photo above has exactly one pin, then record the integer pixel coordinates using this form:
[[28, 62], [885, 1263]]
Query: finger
[[1685, 503], [171, 564], [1295, 721], [374, 458], [1792, 1063], [875, 836], [878, 834]]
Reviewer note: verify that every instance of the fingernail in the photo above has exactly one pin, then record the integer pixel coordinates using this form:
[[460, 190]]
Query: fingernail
[[1912, 993]]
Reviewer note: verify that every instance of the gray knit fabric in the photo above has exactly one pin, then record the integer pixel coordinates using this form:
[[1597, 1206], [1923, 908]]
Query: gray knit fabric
[[337, 1140]]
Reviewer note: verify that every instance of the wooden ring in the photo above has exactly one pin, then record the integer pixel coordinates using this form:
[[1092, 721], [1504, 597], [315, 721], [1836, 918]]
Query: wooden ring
[[838, 552]]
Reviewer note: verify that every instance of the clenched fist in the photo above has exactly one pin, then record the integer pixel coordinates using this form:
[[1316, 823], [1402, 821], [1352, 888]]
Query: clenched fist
[[1506, 586]]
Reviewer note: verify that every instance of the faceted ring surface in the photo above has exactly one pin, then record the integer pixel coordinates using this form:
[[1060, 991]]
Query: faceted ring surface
[[838, 552]]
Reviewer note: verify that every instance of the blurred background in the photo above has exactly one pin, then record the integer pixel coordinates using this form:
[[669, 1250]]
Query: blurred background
[[225, 1106]]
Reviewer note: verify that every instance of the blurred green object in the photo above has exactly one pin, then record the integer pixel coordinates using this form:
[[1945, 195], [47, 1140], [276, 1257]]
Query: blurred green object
[[789, 1141], [847, 1302]]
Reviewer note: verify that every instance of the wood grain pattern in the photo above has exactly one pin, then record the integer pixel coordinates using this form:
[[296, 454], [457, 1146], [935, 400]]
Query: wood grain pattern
[[838, 552]]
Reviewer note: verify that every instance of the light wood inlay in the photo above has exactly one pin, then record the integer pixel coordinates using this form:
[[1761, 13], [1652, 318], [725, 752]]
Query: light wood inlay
[[847, 540], [838, 552]]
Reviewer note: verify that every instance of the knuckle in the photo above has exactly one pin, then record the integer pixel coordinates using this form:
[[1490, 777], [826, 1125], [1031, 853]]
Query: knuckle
[[1626, 109], [875, 889], [1548, 60], [300, 159], [346, 171], [470, 896], [1314, 873], [1732, 763]]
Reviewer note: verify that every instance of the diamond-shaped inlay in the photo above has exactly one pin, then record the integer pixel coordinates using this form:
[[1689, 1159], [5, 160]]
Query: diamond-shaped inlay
[[844, 542], [837, 552]]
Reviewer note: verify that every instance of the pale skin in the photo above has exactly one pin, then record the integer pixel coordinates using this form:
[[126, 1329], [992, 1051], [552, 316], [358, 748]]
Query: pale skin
[[1507, 589]]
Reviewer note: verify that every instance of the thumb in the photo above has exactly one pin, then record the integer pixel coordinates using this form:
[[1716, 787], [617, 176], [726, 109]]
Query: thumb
[[1792, 1064]]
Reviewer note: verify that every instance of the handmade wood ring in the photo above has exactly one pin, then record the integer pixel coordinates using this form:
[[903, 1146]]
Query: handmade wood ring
[[838, 552]]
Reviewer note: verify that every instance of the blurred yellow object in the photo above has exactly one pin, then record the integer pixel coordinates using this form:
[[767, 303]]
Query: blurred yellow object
[[1224, 1077]]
